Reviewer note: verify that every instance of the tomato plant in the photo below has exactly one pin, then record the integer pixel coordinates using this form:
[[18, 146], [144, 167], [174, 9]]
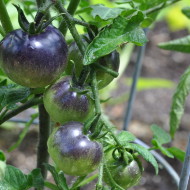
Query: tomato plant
[[73, 128]]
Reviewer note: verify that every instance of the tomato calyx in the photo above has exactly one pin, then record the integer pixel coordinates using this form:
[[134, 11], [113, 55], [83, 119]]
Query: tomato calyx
[[39, 23]]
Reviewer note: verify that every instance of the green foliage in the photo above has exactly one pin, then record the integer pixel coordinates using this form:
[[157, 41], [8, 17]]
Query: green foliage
[[161, 137], [146, 154], [121, 31], [124, 137], [105, 13], [12, 94], [178, 101], [58, 177], [181, 45], [178, 153], [14, 179], [2, 156], [186, 12]]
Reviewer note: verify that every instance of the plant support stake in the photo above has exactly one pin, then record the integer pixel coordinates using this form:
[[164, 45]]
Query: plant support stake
[[185, 173], [127, 117]]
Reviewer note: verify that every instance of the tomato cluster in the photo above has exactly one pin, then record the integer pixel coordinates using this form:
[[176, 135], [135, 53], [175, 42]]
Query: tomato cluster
[[36, 60]]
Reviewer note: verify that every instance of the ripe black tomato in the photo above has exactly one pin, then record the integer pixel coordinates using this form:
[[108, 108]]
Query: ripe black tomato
[[33, 60], [74, 153], [110, 61], [64, 103]]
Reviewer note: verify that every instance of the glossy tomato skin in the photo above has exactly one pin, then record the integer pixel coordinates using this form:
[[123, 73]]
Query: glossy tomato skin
[[33, 60], [110, 61], [124, 175], [74, 153], [63, 103]]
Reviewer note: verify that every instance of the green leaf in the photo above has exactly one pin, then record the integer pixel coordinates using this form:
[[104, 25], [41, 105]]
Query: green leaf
[[186, 12], [105, 13], [179, 154], [2, 169], [2, 156], [161, 148], [58, 178], [146, 154], [178, 101], [35, 179], [62, 181], [24, 132], [14, 179], [121, 31], [181, 45], [160, 135], [124, 137], [147, 4], [12, 94]]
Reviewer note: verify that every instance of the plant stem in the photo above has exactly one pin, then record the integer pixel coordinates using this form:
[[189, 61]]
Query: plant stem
[[185, 173], [71, 25], [96, 94], [30, 103], [4, 18], [71, 10], [40, 3], [107, 70], [100, 176], [2, 32], [44, 131], [128, 113]]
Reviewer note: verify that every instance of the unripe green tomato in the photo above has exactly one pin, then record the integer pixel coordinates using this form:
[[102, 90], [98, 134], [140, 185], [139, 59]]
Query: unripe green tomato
[[124, 175], [72, 151], [63, 103], [110, 61]]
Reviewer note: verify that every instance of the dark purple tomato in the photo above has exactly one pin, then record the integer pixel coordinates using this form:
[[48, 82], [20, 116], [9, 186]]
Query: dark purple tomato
[[64, 103], [125, 175], [110, 61], [33, 60], [74, 153]]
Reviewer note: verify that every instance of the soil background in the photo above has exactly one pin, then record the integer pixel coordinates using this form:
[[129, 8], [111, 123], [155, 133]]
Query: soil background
[[152, 106]]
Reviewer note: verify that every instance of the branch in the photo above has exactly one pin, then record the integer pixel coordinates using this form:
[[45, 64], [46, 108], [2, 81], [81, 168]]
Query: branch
[[30, 103], [71, 25], [71, 10], [4, 18], [44, 131]]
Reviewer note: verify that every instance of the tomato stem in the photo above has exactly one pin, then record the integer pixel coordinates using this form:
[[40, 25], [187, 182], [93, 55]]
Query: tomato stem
[[96, 94], [44, 131], [4, 18], [72, 7], [2, 32], [71, 25], [107, 70], [14, 112], [100, 176]]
